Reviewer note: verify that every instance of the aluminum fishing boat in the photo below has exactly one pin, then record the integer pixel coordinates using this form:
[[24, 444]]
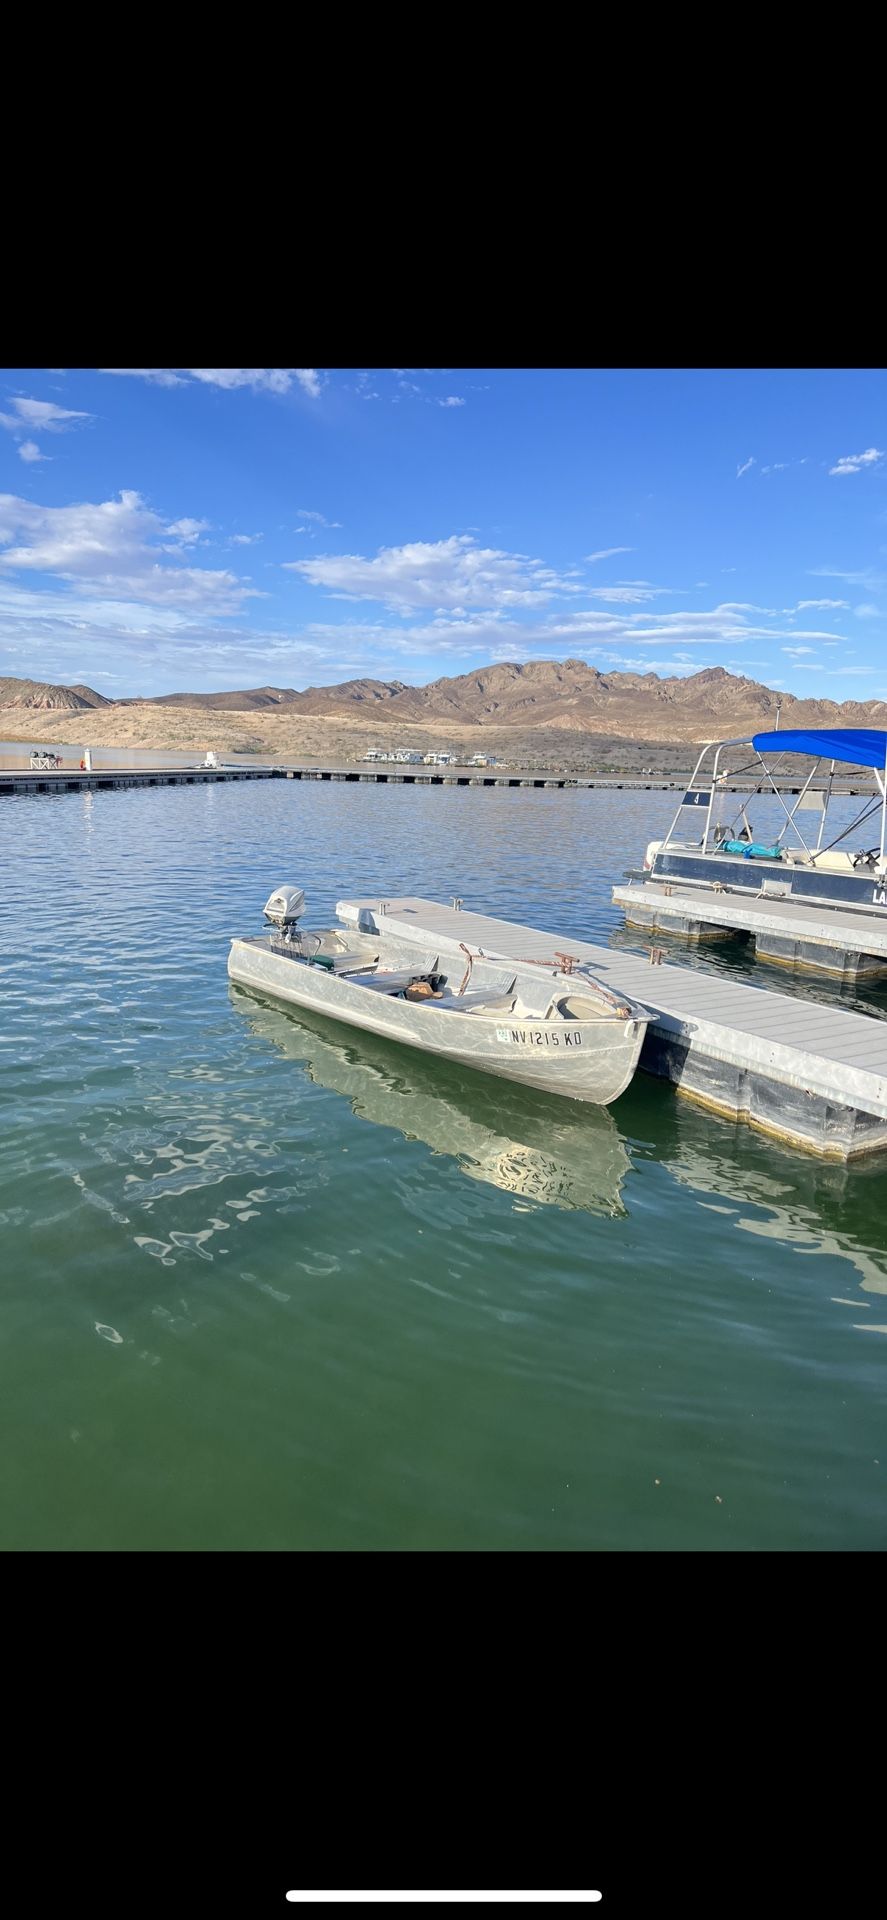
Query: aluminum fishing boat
[[554, 1027], [847, 867]]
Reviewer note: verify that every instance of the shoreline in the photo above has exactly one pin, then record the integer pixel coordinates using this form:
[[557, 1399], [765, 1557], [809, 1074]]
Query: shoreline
[[282, 740]]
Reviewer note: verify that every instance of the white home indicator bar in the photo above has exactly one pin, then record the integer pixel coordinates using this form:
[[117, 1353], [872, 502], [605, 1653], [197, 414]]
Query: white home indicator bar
[[443, 1896]]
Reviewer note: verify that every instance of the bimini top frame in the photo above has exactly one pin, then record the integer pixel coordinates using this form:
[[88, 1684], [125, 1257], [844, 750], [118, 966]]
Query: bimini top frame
[[851, 746]]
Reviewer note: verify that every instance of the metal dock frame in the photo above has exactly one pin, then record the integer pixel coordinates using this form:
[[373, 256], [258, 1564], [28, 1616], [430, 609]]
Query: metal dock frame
[[846, 943]]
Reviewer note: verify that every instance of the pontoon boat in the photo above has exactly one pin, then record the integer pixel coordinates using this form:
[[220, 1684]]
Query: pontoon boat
[[845, 868]]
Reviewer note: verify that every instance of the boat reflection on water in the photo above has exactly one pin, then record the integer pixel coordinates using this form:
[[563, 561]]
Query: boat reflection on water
[[549, 1151], [550, 1154]]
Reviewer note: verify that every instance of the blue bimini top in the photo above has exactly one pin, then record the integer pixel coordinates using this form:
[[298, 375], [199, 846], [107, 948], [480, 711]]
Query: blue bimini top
[[856, 746]]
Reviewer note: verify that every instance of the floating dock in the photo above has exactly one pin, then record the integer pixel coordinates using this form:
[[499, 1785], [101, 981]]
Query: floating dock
[[848, 943], [812, 1075], [415, 776], [72, 780], [99, 779]]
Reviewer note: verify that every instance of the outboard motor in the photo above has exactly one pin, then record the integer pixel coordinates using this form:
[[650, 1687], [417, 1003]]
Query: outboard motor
[[283, 908]]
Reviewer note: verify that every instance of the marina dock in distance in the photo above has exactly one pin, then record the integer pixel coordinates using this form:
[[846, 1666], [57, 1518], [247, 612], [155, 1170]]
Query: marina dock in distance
[[106, 778]]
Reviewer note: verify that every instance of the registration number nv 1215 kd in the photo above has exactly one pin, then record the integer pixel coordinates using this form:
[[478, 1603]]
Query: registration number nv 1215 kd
[[537, 1037]]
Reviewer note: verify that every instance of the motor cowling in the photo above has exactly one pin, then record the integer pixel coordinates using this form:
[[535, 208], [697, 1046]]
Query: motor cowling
[[285, 906]]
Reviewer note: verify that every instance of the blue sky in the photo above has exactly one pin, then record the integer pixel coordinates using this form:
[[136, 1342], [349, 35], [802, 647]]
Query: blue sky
[[172, 529]]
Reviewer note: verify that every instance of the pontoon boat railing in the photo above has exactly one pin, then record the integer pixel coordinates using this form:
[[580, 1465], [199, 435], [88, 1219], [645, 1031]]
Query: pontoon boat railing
[[709, 789]]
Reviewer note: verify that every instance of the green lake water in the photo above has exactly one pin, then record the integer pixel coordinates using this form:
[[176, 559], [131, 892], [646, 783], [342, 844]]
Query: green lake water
[[269, 1284]]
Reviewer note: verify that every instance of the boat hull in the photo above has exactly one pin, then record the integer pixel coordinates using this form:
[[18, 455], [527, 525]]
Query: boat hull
[[590, 1060], [860, 889]]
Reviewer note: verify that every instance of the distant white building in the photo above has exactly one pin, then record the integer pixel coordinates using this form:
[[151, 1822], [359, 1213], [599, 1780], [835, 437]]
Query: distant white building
[[412, 757]]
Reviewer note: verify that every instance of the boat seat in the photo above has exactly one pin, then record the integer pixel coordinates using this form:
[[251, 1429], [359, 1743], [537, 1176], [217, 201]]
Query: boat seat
[[393, 981], [537, 990], [835, 862], [346, 962], [488, 1001]]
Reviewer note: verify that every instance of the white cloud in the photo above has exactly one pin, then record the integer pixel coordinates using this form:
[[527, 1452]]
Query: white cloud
[[867, 611], [750, 462], [187, 532], [260, 379], [867, 577], [208, 590], [626, 592], [85, 538], [747, 606], [452, 400], [606, 553], [38, 416], [307, 513], [147, 648], [803, 605], [245, 539], [436, 574], [267, 379], [41, 416], [109, 548], [775, 466], [158, 644], [136, 600], [498, 636], [855, 462], [159, 376]]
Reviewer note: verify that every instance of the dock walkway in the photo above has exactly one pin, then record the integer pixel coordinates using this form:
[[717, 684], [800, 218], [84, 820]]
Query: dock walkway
[[73, 780], [846, 942], [815, 1076], [108, 779]]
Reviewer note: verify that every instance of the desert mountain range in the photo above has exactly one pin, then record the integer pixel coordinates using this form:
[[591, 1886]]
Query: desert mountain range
[[568, 697]]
